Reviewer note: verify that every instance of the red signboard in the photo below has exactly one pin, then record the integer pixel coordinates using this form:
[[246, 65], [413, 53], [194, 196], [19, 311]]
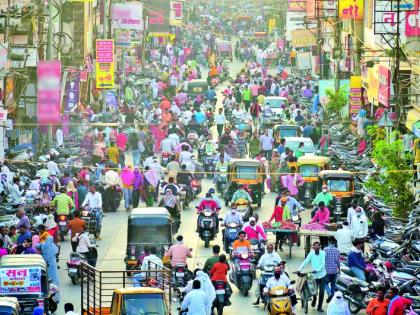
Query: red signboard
[[384, 85], [49, 77]]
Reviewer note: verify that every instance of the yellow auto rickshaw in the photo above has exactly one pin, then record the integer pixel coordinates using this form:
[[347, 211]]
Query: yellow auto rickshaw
[[283, 130], [309, 168], [245, 172], [341, 186]]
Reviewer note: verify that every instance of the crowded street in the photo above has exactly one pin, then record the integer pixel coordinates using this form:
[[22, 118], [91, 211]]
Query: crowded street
[[209, 157]]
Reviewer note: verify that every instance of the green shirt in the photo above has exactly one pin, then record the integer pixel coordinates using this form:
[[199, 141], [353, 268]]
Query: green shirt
[[64, 203], [327, 198], [254, 147], [299, 153], [241, 194], [246, 95], [210, 263]]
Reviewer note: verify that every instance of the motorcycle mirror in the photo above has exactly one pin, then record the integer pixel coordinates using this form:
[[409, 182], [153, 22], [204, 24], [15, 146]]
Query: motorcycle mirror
[[292, 282]]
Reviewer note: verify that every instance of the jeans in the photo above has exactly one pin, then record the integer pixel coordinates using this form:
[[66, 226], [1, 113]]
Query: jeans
[[139, 279], [220, 129], [128, 196], [98, 216], [268, 153], [136, 198], [136, 157], [321, 287], [359, 273], [330, 278]]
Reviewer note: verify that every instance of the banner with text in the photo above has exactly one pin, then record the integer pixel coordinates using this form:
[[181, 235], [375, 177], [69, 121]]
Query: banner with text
[[177, 15], [158, 13], [127, 16], [350, 9], [105, 64], [49, 81]]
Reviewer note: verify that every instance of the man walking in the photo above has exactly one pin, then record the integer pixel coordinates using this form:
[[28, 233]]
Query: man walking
[[220, 121], [267, 144], [332, 267], [317, 261]]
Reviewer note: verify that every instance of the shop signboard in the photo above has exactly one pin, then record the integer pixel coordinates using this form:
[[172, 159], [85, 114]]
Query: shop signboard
[[412, 24], [49, 96], [296, 6], [384, 85], [350, 9], [105, 64], [303, 38], [127, 16], [16, 281], [176, 15], [157, 13], [72, 90], [355, 102]]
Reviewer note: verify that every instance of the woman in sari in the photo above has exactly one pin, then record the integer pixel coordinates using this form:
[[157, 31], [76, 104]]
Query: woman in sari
[[151, 180], [273, 167], [137, 186]]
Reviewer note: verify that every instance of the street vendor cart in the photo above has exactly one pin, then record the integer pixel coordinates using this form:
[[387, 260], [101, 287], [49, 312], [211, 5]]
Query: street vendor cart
[[291, 235], [308, 234]]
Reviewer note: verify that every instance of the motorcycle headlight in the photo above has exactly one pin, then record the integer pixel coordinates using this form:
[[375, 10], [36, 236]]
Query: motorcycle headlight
[[244, 255]]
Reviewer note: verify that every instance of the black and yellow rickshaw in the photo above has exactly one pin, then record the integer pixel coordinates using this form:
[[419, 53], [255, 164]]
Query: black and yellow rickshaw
[[341, 186], [281, 131], [25, 277], [147, 227], [309, 168], [248, 173]]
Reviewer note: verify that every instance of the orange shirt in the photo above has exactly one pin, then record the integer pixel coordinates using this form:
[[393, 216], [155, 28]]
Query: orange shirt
[[239, 243], [376, 307]]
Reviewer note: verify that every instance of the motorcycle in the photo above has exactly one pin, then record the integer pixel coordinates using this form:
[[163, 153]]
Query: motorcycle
[[230, 235], [54, 297], [195, 187], [179, 275], [89, 216], [258, 250], [165, 158], [207, 226], [279, 301], [221, 299], [267, 272], [209, 163], [221, 183], [62, 225], [244, 208], [242, 273], [73, 265]]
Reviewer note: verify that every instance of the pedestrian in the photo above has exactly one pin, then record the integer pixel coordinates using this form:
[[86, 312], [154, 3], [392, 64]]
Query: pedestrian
[[69, 309], [255, 112], [344, 238], [220, 121], [317, 260], [332, 267], [397, 303], [338, 305], [113, 153], [267, 144], [195, 301], [246, 97], [378, 305], [75, 226], [378, 224], [127, 179], [137, 186], [49, 251]]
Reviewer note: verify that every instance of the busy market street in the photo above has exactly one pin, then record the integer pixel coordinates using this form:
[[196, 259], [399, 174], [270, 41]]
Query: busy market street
[[209, 157]]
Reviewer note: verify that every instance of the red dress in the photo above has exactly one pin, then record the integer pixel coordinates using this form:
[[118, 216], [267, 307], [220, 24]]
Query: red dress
[[219, 272]]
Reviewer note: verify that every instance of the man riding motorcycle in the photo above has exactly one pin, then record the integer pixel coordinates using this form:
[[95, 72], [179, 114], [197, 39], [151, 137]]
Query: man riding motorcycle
[[184, 178], [172, 186], [241, 193], [220, 172], [209, 204], [178, 252], [233, 217]]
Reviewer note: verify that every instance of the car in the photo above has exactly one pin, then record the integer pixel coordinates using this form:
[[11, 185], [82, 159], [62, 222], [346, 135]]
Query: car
[[293, 143], [277, 104]]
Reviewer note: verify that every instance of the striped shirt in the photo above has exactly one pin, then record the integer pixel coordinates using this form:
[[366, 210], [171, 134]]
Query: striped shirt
[[332, 259]]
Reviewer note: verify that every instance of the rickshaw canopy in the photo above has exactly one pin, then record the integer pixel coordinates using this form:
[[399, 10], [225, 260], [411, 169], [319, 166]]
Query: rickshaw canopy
[[310, 166], [313, 160], [340, 183], [245, 171]]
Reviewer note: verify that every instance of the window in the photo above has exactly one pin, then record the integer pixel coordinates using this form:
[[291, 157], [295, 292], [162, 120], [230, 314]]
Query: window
[[339, 185], [247, 172], [309, 170], [135, 304]]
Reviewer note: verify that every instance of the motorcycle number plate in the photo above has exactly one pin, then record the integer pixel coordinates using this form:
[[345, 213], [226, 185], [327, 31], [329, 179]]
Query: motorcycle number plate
[[56, 298], [73, 270], [232, 230], [179, 274], [255, 247], [62, 223], [220, 291]]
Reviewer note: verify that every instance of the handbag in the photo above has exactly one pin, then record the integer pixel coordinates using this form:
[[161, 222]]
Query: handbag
[[93, 253]]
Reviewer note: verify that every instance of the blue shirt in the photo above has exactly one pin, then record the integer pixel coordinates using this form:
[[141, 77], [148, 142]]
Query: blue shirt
[[308, 131], [23, 237], [332, 260], [199, 117], [196, 302], [355, 259], [293, 205], [281, 149], [317, 264], [210, 95]]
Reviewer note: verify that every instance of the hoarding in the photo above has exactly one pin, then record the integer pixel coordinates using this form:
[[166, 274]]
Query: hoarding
[[49, 81]]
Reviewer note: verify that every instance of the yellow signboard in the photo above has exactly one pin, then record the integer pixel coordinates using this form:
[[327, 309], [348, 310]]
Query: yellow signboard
[[105, 75], [350, 9], [303, 38], [271, 24]]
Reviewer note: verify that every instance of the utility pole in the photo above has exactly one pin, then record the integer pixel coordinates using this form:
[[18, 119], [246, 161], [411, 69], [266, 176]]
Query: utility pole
[[398, 56], [319, 39], [104, 36], [3, 123], [50, 31], [338, 26]]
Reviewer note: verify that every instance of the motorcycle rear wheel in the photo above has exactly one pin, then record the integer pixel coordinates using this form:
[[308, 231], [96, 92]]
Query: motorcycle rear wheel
[[206, 241], [354, 308], [244, 291]]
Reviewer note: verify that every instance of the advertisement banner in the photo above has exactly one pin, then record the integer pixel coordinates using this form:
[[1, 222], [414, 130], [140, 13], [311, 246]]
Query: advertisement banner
[[49, 81], [72, 90], [355, 96], [350, 9], [20, 281], [303, 38], [412, 24], [3, 56], [310, 9], [158, 13], [176, 16], [127, 16], [105, 64], [384, 85], [296, 6]]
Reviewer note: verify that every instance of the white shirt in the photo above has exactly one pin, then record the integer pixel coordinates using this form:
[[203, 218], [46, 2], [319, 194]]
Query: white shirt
[[186, 116], [167, 145], [84, 242], [185, 157], [267, 142], [111, 178], [59, 136], [359, 226], [351, 212], [283, 281], [155, 166], [154, 260], [220, 119], [344, 241], [269, 259], [196, 302], [238, 114], [53, 168], [93, 200]]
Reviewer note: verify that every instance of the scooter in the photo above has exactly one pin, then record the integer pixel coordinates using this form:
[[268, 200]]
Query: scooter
[[221, 183], [230, 235], [54, 298], [258, 250], [221, 299], [62, 225], [73, 264], [207, 226], [242, 273], [165, 158], [278, 301], [195, 187], [179, 275], [244, 208]]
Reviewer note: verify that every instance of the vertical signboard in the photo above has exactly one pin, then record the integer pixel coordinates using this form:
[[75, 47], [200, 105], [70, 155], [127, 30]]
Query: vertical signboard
[[72, 90], [311, 9], [177, 15], [384, 85], [49, 77], [350, 9], [158, 14], [355, 96], [105, 64], [412, 24]]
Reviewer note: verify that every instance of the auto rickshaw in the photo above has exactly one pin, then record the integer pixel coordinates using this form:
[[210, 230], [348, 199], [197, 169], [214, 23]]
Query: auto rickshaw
[[281, 131], [9, 306], [25, 277], [196, 87], [224, 50], [147, 227], [246, 172], [309, 168], [341, 186]]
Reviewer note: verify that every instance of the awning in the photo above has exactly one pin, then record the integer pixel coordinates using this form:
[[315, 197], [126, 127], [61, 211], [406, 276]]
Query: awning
[[413, 116], [416, 129]]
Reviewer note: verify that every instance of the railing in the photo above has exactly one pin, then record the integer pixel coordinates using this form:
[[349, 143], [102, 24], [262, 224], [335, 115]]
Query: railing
[[97, 286]]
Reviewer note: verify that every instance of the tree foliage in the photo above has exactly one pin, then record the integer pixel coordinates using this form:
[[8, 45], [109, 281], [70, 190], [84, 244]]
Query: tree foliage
[[336, 100], [376, 133], [392, 182]]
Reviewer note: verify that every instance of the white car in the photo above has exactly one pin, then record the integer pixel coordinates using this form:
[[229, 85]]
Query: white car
[[293, 143], [276, 104]]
